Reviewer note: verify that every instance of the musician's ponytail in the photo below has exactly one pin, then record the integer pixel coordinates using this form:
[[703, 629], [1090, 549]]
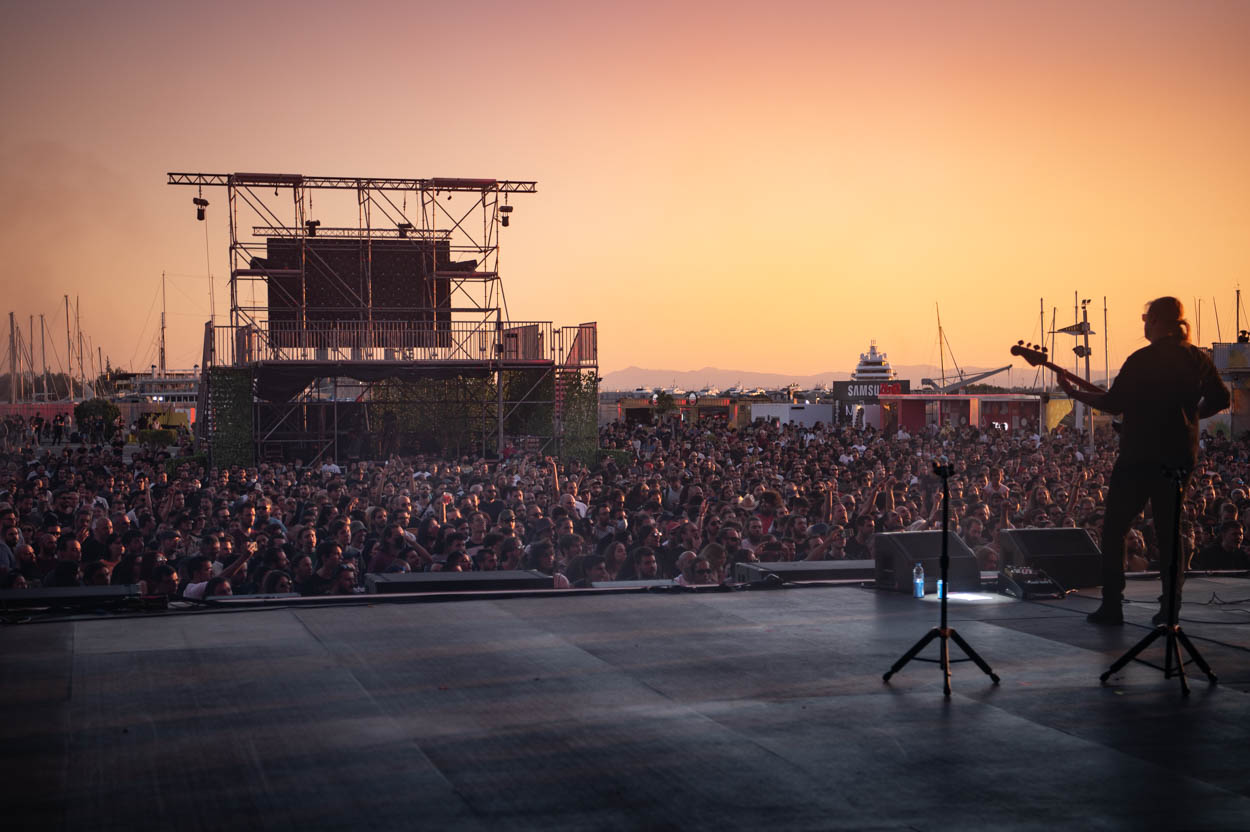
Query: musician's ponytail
[[1169, 313]]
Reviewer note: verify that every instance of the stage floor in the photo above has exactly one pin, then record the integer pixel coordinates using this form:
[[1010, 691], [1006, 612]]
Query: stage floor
[[733, 710]]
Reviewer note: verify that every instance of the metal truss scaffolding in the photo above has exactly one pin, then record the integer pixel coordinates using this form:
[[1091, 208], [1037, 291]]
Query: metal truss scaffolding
[[365, 336]]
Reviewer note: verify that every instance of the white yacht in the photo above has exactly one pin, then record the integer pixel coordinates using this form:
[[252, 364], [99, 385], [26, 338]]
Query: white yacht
[[872, 366]]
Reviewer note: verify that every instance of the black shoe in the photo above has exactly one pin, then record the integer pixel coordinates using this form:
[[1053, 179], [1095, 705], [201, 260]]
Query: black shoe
[[1161, 617], [1110, 614]]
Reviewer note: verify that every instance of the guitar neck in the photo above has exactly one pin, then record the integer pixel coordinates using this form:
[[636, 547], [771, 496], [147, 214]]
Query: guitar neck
[[1077, 381]]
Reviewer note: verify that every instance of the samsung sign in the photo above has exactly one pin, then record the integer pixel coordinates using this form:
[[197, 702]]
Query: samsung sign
[[866, 392]]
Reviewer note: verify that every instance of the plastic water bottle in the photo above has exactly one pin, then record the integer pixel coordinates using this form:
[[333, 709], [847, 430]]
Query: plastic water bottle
[[917, 581], [941, 593]]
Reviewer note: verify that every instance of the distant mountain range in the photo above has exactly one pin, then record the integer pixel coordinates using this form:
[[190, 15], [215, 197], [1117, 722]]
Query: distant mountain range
[[632, 378]]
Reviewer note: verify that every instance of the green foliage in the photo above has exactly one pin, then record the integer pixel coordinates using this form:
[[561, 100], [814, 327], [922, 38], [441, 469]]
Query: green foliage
[[459, 415], [623, 459], [84, 412], [580, 435], [158, 439], [529, 396], [664, 404], [230, 404], [449, 416]]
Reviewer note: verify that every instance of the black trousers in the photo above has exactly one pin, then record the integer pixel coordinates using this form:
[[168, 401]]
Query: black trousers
[[1132, 484]]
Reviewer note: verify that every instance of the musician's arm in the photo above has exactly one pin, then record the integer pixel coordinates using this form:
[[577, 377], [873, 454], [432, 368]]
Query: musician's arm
[[1098, 401], [1215, 395], [1132, 380]]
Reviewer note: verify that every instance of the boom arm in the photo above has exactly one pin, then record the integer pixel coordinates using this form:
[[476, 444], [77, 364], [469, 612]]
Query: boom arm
[[963, 382]]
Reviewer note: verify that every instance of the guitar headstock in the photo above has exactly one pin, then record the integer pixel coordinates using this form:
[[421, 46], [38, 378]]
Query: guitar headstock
[[1035, 354]]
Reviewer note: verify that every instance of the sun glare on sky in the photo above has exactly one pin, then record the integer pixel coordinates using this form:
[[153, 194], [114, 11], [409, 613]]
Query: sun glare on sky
[[763, 186]]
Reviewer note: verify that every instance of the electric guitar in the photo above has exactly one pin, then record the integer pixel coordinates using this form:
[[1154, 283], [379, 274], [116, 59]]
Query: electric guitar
[[1037, 356]]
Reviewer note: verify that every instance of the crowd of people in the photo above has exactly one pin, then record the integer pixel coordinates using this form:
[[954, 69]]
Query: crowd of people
[[673, 502], [17, 432]]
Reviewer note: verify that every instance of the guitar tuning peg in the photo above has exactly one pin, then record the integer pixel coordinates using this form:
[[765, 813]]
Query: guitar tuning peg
[[1020, 343]]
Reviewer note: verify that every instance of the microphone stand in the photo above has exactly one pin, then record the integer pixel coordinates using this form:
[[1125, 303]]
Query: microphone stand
[[1171, 631], [942, 632]]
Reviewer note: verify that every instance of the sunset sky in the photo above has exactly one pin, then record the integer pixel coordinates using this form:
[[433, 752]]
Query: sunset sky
[[763, 186]]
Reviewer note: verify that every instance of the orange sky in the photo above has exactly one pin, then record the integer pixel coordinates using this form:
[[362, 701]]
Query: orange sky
[[763, 186]]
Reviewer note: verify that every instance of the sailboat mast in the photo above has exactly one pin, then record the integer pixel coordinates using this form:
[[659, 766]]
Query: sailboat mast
[[69, 352], [1089, 411], [941, 348], [12, 360], [82, 371], [1041, 328], [1106, 347], [1054, 317], [43, 357], [162, 355], [1076, 361]]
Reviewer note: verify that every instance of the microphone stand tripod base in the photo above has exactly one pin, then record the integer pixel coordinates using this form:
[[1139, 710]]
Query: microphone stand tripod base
[[1174, 637], [943, 633], [946, 635]]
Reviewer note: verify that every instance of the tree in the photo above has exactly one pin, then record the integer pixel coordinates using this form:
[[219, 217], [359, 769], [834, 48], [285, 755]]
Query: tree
[[157, 439], [664, 404], [85, 412]]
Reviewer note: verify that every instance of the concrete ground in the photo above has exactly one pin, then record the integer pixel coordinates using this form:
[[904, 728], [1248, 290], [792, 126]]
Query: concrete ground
[[734, 710]]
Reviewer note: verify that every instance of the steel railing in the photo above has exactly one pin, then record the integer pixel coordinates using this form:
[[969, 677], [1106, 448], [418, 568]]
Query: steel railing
[[464, 341]]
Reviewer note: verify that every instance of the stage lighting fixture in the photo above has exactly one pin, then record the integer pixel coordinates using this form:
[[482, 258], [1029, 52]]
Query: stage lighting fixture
[[404, 228], [311, 225], [200, 204], [505, 210]]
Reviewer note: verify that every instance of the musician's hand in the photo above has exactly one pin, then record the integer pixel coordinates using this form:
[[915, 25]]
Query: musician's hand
[[1065, 384]]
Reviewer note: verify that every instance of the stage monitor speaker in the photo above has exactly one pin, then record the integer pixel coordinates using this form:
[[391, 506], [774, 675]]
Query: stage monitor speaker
[[391, 582], [84, 597], [897, 553], [1069, 556], [806, 570], [640, 583]]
